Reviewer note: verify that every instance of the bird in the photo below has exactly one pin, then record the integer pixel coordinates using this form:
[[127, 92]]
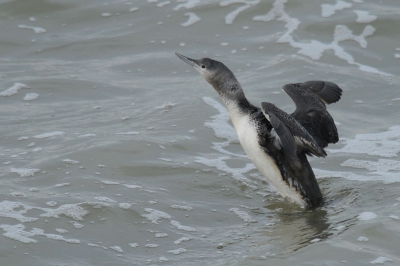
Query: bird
[[276, 142]]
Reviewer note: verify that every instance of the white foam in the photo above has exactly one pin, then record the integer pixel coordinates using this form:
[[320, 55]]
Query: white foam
[[128, 133], [329, 10], [394, 217], [15, 210], [40, 232], [165, 159], [366, 216], [73, 211], [31, 96], [109, 182], [162, 259], [69, 161], [61, 231], [76, 225], [124, 205], [35, 29], [383, 165], [178, 251], [163, 3], [180, 207], [14, 89], [188, 5], [177, 225], [51, 203], [106, 14], [243, 215], [314, 48], [132, 186], [86, 135], [105, 199], [155, 216], [133, 9], [18, 194], [161, 235], [342, 33], [182, 239], [220, 122], [362, 239], [117, 249], [246, 5], [17, 232], [49, 134], [151, 245], [380, 260], [386, 177], [133, 245], [23, 138], [364, 16], [24, 172], [193, 18], [165, 106], [237, 173], [62, 185], [384, 144]]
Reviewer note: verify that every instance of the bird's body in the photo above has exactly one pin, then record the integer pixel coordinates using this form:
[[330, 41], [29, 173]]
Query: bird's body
[[276, 142]]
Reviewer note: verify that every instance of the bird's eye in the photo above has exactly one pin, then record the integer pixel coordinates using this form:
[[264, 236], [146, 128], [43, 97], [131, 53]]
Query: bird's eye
[[203, 66]]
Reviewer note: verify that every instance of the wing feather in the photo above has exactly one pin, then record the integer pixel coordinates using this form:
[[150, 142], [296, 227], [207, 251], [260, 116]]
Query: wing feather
[[310, 98], [291, 133]]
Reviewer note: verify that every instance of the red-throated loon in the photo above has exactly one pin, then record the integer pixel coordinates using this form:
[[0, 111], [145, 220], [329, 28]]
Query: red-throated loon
[[276, 142]]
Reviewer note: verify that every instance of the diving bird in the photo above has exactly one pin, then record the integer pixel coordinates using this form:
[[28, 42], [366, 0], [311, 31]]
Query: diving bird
[[275, 141]]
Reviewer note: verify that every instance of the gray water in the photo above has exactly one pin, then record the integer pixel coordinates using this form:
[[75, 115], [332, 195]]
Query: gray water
[[115, 152]]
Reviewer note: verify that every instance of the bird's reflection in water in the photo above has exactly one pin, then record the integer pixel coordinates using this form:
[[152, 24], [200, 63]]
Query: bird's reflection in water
[[295, 228]]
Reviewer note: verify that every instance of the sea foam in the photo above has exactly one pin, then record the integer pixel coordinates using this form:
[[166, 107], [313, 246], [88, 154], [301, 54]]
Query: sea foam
[[14, 89]]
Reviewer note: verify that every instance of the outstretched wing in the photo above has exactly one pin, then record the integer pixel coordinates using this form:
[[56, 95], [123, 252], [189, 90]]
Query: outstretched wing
[[291, 134], [327, 91], [313, 94], [310, 98]]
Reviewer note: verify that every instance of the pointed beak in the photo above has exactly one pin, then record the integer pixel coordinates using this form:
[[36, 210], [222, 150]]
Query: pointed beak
[[186, 59]]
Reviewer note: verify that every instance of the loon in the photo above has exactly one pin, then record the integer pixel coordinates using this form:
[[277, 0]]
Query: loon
[[277, 142]]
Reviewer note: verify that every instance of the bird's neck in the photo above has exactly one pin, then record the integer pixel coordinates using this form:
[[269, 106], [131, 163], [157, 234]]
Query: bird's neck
[[236, 103], [234, 97]]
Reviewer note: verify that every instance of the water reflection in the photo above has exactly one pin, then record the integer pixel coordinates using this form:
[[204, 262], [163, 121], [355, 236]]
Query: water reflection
[[296, 228]]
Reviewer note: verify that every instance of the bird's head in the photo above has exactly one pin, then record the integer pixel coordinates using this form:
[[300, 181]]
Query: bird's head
[[217, 74]]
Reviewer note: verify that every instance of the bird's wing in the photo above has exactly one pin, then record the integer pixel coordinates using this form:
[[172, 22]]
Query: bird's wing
[[313, 94], [310, 98], [291, 133]]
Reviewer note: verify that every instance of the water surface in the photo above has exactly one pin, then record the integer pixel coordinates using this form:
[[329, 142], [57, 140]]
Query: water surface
[[115, 152]]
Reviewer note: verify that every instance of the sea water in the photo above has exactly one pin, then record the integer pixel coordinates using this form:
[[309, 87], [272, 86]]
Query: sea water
[[115, 152]]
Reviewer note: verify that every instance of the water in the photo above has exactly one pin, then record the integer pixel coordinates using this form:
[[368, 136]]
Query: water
[[115, 152]]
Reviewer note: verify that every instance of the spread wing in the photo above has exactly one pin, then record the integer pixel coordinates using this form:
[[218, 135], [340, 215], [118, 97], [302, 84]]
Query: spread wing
[[310, 98], [290, 132]]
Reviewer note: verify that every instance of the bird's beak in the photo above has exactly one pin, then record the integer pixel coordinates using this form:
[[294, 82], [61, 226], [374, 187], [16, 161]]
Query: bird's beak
[[186, 59]]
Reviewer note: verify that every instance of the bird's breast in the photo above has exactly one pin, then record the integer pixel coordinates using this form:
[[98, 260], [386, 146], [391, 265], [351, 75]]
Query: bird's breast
[[248, 135]]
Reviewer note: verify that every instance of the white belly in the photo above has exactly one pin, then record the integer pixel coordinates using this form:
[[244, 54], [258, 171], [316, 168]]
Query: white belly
[[248, 138]]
